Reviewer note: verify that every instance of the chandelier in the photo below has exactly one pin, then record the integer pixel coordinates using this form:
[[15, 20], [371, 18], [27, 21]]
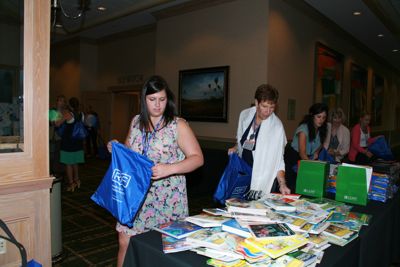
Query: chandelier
[[69, 17]]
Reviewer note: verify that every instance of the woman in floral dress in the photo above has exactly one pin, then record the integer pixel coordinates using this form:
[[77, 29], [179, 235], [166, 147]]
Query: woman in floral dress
[[170, 143]]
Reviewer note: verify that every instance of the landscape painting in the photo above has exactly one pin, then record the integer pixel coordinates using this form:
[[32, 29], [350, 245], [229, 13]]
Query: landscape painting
[[203, 94]]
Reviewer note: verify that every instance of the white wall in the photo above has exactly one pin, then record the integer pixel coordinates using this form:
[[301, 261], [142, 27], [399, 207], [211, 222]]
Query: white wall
[[291, 44], [129, 55], [233, 34]]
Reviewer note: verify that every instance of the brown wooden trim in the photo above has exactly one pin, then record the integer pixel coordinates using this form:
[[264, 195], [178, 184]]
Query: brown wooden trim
[[26, 186]]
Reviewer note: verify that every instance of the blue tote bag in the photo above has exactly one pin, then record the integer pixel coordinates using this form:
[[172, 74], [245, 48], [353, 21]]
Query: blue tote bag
[[380, 148], [125, 184], [325, 156], [235, 181]]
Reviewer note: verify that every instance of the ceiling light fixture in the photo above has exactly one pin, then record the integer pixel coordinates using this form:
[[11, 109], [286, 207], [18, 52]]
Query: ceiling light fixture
[[357, 13], [395, 50], [59, 12], [381, 35], [101, 8]]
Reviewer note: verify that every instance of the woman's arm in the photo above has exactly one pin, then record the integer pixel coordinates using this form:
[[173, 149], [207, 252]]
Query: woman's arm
[[344, 141], [355, 139], [302, 145], [187, 142], [328, 136], [282, 182]]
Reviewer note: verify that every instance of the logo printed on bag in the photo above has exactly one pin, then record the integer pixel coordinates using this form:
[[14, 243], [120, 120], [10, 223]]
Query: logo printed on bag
[[310, 191], [120, 178], [350, 197], [239, 190]]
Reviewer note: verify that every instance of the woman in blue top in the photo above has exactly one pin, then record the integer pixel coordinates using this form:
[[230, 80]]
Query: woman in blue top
[[306, 142]]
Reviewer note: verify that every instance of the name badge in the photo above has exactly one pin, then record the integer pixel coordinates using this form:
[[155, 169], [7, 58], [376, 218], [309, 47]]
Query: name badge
[[249, 145]]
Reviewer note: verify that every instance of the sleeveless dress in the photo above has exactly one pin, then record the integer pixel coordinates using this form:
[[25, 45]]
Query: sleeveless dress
[[167, 198]]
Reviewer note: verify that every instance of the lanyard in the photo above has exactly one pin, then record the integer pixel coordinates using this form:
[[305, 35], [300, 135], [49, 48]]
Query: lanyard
[[255, 128], [146, 141]]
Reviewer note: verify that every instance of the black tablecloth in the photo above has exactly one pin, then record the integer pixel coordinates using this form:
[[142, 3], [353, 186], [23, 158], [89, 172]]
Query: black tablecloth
[[377, 245]]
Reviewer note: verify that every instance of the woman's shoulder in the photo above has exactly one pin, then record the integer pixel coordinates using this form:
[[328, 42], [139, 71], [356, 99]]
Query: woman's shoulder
[[179, 121], [247, 111], [344, 128], [302, 128]]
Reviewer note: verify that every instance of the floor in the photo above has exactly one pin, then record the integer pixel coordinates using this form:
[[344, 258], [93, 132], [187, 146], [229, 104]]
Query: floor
[[88, 234]]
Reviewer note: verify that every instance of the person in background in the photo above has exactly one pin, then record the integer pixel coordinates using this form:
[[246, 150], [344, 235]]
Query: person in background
[[307, 141], [92, 125], [261, 143], [56, 119], [169, 142], [360, 134], [72, 149], [337, 141]]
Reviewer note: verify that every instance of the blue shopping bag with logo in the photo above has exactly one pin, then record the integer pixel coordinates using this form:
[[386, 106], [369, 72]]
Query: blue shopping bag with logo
[[125, 184], [235, 181]]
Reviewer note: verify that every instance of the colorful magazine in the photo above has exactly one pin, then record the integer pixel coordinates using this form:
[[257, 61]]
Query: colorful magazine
[[178, 229], [278, 247], [171, 245], [232, 226], [271, 231]]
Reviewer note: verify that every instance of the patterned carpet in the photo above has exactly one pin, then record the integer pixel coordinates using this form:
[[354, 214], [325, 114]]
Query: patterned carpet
[[88, 231]]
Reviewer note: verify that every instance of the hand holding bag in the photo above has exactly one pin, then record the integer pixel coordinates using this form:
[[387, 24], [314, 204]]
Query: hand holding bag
[[235, 181], [125, 184]]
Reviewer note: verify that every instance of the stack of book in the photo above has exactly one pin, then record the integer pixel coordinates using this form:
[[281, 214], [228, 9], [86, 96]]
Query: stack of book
[[206, 220], [381, 187], [178, 229], [266, 232], [351, 220], [331, 180], [339, 235]]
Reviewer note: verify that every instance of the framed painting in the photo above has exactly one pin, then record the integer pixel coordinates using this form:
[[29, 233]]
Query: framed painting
[[377, 100], [328, 77], [358, 93], [203, 94]]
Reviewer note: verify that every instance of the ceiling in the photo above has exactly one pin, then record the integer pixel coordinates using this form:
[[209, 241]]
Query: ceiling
[[377, 17]]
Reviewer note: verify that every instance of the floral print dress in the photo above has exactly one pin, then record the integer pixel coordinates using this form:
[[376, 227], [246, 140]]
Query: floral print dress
[[167, 198]]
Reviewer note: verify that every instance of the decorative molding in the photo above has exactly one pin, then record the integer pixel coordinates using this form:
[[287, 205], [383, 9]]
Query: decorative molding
[[186, 8], [126, 34]]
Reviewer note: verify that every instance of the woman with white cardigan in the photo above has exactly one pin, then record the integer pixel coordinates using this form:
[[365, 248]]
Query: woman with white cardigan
[[261, 143], [337, 141]]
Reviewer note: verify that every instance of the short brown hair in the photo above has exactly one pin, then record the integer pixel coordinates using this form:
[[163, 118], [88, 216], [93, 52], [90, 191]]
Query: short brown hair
[[266, 92]]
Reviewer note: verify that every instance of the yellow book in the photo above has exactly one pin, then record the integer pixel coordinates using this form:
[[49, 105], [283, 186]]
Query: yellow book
[[278, 247]]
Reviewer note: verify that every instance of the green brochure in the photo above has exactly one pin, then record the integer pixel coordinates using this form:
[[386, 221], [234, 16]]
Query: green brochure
[[351, 185], [311, 178]]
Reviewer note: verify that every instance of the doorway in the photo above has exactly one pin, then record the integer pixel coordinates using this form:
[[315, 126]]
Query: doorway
[[125, 105]]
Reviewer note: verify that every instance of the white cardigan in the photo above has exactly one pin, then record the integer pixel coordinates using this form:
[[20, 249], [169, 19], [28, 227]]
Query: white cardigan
[[343, 136], [268, 155]]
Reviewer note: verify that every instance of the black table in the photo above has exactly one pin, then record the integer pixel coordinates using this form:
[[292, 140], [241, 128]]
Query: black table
[[377, 245]]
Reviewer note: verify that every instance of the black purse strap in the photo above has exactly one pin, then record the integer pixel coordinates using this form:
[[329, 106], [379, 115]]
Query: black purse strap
[[10, 237]]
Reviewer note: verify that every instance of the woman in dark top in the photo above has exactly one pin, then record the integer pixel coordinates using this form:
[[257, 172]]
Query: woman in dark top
[[71, 149]]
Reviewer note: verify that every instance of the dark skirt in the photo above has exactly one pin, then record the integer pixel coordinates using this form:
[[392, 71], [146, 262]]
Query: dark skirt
[[291, 158]]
